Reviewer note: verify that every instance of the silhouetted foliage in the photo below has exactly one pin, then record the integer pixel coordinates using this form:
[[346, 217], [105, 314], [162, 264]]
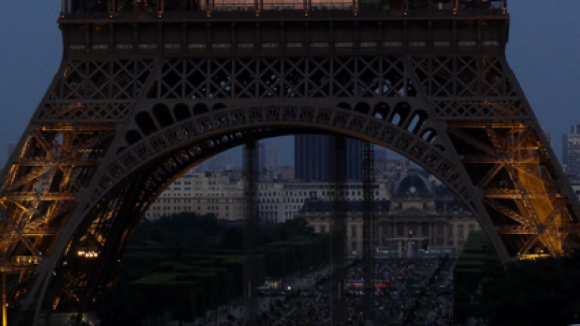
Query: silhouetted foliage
[[191, 230], [537, 292], [183, 246]]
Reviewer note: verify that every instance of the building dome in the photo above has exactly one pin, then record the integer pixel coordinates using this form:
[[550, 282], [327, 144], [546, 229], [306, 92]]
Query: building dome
[[412, 184]]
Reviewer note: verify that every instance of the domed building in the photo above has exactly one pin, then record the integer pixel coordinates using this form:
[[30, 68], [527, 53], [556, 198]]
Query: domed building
[[416, 209]]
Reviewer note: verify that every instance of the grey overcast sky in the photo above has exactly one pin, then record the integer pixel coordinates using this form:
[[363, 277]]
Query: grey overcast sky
[[543, 52]]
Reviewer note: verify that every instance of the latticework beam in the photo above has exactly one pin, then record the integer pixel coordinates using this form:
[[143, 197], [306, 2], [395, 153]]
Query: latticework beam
[[251, 229], [338, 229], [368, 232]]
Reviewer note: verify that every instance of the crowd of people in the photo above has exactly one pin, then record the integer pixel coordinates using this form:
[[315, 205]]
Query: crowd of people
[[418, 293]]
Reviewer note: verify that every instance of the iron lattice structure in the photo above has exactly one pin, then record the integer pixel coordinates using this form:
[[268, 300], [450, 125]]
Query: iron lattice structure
[[369, 240], [338, 229], [251, 228], [140, 97]]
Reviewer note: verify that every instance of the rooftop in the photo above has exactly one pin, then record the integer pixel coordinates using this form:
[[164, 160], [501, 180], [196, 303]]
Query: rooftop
[[144, 10]]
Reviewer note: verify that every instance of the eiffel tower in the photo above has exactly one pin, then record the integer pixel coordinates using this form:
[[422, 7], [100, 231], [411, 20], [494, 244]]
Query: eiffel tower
[[148, 89]]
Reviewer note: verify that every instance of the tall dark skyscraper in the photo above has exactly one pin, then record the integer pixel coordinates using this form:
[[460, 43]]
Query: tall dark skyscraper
[[380, 154], [311, 158], [261, 156], [571, 151], [353, 159]]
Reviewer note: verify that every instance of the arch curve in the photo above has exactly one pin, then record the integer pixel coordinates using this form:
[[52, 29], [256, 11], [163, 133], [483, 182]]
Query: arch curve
[[162, 115], [200, 109], [381, 110], [181, 112], [145, 123], [133, 178], [400, 114], [229, 123]]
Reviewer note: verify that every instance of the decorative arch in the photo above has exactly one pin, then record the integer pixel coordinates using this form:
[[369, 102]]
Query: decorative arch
[[162, 115], [132, 136], [135, 177], [181, 112], [363, 108], [417, 121], [145, 123], [381, 110], [132, 169], [200, 109], [429, 135], [400, 114]]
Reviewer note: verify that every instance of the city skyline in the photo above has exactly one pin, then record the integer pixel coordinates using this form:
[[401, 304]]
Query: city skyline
[[106, 222]]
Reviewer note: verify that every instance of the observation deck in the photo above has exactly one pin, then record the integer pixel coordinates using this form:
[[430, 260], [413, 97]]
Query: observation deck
[[272, 27]]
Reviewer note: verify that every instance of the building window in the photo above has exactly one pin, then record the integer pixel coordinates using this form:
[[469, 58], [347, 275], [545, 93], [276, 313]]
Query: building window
[[400, 230], [353, 232], [322, 229], [440, 229], [425, 230]]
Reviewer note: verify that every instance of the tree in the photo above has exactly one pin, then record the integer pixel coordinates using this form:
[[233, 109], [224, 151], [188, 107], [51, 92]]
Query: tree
[[541, 292]]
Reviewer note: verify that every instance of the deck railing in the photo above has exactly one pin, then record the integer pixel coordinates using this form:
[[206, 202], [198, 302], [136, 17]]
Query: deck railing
[[139, 9]]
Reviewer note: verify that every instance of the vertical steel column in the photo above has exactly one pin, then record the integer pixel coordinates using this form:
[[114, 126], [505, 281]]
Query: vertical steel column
[[338, 229], [4, 306], [368, 175], [251, 228]]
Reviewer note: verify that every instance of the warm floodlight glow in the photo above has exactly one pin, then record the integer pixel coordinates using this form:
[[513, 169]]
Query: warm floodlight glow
[[276, 5]]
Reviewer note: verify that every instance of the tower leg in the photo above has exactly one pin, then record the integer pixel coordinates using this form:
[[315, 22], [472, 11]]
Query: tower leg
[[251, 228], [338, 229], [4, 308], [368, 231]]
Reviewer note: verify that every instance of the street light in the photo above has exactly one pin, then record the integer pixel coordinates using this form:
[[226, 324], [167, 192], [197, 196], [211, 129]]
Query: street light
[[87, 254]]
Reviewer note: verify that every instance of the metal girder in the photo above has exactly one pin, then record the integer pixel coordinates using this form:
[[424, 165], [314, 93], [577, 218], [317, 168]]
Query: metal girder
[[251, 228], [48, 147], [338, 230], [12, 268], [530, 229], [368, 173], [473, 142], [486, 159], [78, 128], [536, 174], [486, 124], [30, 246], [32, 233], [29, 177], [528, 244], [557, 209], [517, 229], [69, 164], [515, 194], [505, 211], [490, 175], [224, 98], [523, 138], [44, 196]]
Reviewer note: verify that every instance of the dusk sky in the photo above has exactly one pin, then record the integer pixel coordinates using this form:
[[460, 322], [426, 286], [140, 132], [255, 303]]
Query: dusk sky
[[543, 52]]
